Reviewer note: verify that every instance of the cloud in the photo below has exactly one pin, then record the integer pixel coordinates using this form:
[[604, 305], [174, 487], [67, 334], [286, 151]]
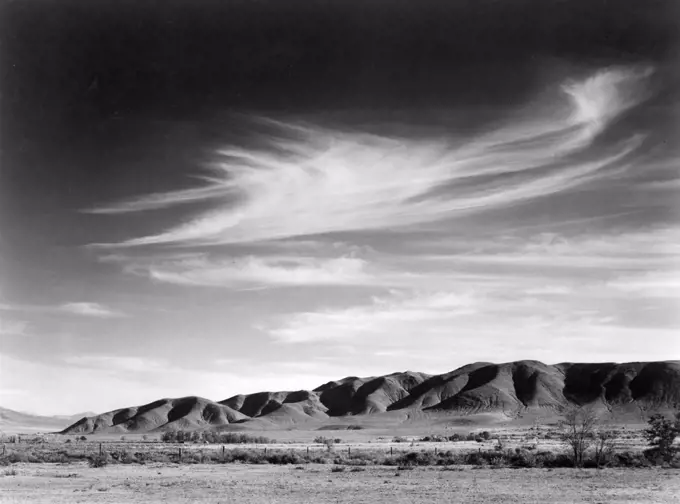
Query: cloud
[[161, 200], [12, 327], [382, 316], [313, 180], [658, 284], [264, 271], [89, 310], [640, 248], [497, 326], [115, 364], [595, 105]]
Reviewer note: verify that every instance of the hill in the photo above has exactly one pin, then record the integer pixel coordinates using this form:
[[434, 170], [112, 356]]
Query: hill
[[508, 389], [18, 422]]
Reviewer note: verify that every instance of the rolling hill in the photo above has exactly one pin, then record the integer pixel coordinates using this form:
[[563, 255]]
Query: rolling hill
[[506, 389], [16, 421]]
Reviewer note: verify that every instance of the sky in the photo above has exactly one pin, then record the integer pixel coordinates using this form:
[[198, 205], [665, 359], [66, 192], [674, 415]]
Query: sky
[[212, 198]]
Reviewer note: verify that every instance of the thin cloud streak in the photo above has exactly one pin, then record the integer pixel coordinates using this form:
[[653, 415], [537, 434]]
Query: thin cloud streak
[[116, 363], [264, 271], [87, 309], [160, 200], [316, 180], [644, 248], [379, 317]]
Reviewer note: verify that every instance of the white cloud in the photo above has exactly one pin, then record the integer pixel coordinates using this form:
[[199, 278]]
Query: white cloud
[[251, 270], [115, 363], [659, 283], [313, 180], [89, 310], [645, 248], [383, 315]]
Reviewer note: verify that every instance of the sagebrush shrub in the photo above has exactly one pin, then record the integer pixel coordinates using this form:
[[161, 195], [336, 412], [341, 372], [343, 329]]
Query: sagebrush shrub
[[98, 460]]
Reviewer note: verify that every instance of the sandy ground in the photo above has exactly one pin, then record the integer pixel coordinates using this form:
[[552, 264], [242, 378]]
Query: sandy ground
[[156, 483]]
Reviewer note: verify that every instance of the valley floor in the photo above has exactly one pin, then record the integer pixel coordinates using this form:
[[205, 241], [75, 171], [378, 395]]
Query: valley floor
[[165, 483]]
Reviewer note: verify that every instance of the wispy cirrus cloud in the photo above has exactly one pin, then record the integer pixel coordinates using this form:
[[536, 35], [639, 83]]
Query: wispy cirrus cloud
[[313, 180], [89, 309]]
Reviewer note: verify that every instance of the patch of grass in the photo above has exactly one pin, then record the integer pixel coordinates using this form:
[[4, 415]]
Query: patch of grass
[[9, 472]]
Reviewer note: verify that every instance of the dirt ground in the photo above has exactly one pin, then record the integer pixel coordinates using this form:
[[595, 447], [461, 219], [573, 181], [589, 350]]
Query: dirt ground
[[159, 483]]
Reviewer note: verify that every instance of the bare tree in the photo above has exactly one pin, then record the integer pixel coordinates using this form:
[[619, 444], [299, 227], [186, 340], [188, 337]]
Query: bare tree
[[578, 431], [604, 446]]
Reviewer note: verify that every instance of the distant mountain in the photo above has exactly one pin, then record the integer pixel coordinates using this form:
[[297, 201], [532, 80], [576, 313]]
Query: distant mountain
[[510, 389], [16, 421]]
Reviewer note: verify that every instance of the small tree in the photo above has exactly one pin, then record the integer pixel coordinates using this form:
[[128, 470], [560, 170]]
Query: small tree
[[578, 429], [661, 433], [604, 446]]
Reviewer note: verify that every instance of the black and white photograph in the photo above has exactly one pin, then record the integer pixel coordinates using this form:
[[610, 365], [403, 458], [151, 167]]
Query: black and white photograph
[[315, 251]]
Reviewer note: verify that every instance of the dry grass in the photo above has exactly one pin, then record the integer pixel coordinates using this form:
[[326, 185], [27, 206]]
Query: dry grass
[[156, 483]]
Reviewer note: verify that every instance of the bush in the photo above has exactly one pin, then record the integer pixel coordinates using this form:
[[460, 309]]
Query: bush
[[660, 434], [285, 458], [416, 459], [523, 458], [98, 461], [180, 436], [17, 457], [631, 459], [478, 458]]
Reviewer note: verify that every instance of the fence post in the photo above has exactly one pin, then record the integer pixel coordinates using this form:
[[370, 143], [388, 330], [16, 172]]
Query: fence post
[[180, 455], [265, 450], [3, 449], [100, 449], [435, 450], [308, 450], [349, 450], [391, 448], [222, 453]]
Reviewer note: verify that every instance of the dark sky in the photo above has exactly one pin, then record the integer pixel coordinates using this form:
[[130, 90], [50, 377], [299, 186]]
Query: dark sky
[[83, 78], [490, 106]]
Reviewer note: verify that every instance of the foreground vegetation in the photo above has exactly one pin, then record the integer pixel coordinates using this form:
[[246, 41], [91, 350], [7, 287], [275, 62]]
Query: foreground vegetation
[[518, 457], [578, 443]]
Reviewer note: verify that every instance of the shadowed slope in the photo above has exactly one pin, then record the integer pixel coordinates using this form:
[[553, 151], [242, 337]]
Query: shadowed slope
[[183, 413]]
